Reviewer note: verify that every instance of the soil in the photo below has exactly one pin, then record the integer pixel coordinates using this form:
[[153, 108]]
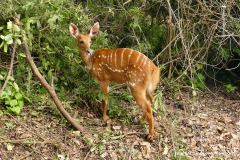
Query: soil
[[206, 127]]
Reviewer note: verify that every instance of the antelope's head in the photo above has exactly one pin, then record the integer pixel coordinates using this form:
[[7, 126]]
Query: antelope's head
[[84, 40]]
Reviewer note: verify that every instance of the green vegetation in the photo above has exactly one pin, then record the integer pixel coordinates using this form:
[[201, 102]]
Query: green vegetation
[[197, 48], [139, 25]]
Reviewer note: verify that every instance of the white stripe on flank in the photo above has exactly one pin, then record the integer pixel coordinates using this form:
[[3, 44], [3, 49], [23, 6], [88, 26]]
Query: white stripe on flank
[[139, 54], [115, 58], [122, 56], [110, 57], [129, 56], [145, 61], [148, 64], [142, 61]]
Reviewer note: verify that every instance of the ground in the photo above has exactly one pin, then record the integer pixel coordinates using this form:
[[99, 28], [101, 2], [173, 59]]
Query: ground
[[206, 127]]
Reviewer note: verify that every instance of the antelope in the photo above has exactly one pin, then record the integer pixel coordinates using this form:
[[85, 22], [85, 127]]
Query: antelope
[[121, 65]]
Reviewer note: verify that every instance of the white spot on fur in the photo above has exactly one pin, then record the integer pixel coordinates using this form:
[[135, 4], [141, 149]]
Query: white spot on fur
[[131, 84]]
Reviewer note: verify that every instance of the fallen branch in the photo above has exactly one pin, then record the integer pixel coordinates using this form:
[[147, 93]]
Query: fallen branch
[[49, 88], [26, 141]]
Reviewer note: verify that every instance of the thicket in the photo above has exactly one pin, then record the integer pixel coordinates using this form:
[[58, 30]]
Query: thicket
[[195, 43]]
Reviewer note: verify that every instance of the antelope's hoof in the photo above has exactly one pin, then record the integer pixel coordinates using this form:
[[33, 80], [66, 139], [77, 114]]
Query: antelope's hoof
[[149, 138]]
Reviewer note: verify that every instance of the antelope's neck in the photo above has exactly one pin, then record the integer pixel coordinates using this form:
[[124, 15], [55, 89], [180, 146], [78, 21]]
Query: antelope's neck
[[86, 57]]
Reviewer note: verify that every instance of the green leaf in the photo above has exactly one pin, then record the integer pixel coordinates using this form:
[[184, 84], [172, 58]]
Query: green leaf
[[1, 28], [22, 55], [18, 96], [20, 104], [5, 49], [16, 87], [1, 77], [26, 98], [13, 102], [3, 95], [8, 37], [194, 93], [7, 101], [198, 66], [2, 37], [9, 25], [100, 147], [11, 78], [201, 85], [201, 77], [9, 92], [10, 41], [2, 44], [235, 49], [16, 28], [27, 26], [18, 41], [43, 90], [15, 110]]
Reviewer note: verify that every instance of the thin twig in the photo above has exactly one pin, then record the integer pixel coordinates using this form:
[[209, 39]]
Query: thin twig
[[10, 68], [25, 141]]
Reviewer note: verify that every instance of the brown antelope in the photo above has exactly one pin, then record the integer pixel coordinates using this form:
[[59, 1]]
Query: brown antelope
[[121, 65]]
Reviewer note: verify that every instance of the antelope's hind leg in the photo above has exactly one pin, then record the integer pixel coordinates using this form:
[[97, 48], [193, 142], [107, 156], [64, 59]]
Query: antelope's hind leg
[[139, 95]]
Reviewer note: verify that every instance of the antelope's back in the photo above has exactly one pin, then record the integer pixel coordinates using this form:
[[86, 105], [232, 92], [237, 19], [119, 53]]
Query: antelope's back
[[122, 65]]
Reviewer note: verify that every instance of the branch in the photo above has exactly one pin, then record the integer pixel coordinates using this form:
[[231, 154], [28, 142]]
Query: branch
[[10, 68], [49, 88]]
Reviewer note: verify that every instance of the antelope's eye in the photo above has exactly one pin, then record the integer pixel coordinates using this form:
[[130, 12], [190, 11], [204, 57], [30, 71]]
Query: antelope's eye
[[81, 42]]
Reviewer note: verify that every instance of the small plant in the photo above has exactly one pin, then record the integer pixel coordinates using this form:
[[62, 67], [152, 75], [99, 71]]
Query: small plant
[[230, 88], [199, 79], [9, 125], [159, 106], [98, 148], [122, 113], [12, 96]]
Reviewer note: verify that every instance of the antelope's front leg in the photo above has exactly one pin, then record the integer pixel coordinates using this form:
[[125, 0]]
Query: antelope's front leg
[[104, 109], [104, 88]]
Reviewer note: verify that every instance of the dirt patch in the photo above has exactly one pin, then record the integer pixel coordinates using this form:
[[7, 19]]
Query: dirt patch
[[206, 128]]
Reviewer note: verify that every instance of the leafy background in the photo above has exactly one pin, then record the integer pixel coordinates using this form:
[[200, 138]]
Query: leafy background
[[195, 43]]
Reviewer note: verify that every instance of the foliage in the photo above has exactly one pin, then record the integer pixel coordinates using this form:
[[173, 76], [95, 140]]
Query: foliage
[[230, 88], [11, 33], [46, 25], [159, 106], [12, 96]]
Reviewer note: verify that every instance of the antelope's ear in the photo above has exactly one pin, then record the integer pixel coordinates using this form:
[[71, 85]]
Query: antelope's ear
[[94, 30], [73, 30]]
